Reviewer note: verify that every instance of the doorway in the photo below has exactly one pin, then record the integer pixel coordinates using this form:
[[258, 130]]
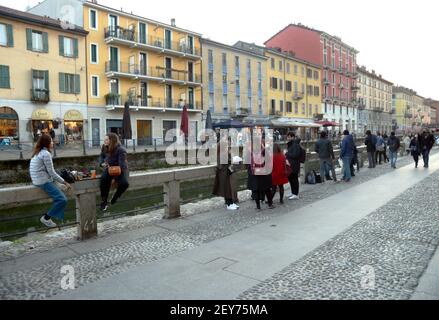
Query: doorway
[[144, 132]]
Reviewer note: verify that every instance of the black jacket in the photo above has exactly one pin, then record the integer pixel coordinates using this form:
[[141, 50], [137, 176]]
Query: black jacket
[[414, 147], [426, 142], [324, 149], [293, 155], [394, 144], [371, 147]]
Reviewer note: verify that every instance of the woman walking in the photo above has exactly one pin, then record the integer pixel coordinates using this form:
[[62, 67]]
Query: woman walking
[[279, 175], [114, 161], [43, 176], [415, 149]]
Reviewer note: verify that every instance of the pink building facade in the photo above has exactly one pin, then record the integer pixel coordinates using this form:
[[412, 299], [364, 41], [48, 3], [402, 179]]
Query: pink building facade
[[339, 74]]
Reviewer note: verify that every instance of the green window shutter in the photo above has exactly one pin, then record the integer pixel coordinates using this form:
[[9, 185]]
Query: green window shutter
[[62, 82], [46, 80], [34, 75], [4, 77], [29, 39], [61, 45], [10, 35], [75, 48], [77, 84], [45, 42]]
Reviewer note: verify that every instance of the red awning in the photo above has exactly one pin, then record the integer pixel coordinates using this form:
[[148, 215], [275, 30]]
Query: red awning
[[328, 123]]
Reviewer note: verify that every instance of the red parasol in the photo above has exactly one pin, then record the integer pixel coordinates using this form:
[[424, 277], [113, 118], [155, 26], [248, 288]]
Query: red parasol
[[184, 127]]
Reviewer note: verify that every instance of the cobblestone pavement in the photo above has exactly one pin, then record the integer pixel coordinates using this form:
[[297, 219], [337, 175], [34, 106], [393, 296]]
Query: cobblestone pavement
[[381, 257], [44, 281]]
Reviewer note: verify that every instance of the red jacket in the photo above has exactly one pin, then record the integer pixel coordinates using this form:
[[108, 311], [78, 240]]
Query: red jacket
[[279, 164]]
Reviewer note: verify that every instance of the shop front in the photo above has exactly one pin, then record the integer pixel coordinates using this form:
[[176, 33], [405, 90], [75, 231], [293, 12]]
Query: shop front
[[9, 125], [73, 127], [42, 123]]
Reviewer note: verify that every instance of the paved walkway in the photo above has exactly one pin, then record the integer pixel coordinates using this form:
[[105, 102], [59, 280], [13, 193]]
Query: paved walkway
[[371, 239]]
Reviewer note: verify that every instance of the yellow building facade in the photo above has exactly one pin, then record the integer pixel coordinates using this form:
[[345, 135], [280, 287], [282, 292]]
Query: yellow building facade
[[293, 87], [155, 67], [234, 82], [42, 78], [405, 109]]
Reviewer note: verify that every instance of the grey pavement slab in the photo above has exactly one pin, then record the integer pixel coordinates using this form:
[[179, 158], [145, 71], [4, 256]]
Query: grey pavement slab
[[262, 250]]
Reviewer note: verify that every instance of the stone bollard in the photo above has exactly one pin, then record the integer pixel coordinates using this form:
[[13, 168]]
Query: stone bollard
[[86, 215], [172, 199]]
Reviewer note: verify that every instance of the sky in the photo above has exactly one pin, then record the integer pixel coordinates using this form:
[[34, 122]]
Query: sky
[[399, 39]]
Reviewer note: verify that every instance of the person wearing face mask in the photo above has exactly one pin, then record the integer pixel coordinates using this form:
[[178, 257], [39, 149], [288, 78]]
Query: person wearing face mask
[[426, 143], [415, 149]]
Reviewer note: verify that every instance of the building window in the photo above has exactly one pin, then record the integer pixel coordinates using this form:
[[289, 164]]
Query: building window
[[295, 69], [316, 75], [69, 83], [289, 107], [93, 20], [272, 63], [37, 41], [94, 53], [237, 68], [211, 102], [68, 47], [4, 77], [288, 86], [303, 88], [273, 83], [310, 91], [281, 84], [316, 91], [6, 35], [224, 59], [296, 108], [309, 73], [95, 86], [303, 71], [273, 106], [288, 68], [225, 104], [303, 108], [316, 109], [280, 65]]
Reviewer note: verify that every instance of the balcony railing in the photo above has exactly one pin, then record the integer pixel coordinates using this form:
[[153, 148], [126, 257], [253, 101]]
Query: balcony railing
[[157, 42], [150, 102], [136, 70], [298, 95], [39, 95]]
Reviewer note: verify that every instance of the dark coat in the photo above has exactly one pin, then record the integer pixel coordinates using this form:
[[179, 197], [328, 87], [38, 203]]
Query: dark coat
[[293, 155], [225, 184], [370, 144], [394, 144], [258, 182], [415, 148], [426, 142], [324, 149]]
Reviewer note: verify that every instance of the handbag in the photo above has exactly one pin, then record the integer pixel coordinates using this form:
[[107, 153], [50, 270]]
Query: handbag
[[288, 170], [114, 171]]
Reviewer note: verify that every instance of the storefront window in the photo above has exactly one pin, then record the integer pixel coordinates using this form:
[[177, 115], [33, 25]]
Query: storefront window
[[74, 131], [8, 124]]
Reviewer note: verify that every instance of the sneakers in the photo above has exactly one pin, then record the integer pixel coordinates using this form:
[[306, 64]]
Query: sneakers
[[104, 206], [232, 207], [48, 223], [113, 200], [293, 197]]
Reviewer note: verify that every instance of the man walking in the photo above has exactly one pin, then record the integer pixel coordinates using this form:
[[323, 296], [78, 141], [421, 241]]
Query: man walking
[[394, 145], [371, 148], [426, 143], [346, 155], [326, 156]]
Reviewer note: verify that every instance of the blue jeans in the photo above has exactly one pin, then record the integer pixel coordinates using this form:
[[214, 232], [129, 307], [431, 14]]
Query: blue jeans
[[59, 200], [347, 168], [393, 158], [426, 157]]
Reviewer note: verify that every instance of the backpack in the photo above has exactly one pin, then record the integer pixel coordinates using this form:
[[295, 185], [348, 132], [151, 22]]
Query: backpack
[[317, 176], [67, 176], [302, 158], [311, 178]]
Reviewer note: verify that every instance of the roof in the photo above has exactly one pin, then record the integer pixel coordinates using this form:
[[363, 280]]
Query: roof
[[400, 89], [100, 6], [234, 48], [39, 20], [372, 74], [299, 25], [287, 55]]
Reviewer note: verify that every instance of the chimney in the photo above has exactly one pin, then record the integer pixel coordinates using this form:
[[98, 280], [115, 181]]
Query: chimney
[[173, 22], [94, 1]]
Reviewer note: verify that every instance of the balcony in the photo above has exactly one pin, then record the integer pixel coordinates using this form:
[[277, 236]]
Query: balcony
[[341, 70], [326, 82], [158, 74], [241, 112], [122, 36], [298, 96], [277, 114], [355, 88], [149, 102], [39, 95], [355, 75]]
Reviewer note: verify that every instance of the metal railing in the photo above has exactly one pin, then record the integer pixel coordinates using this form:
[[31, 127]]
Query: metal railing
[[136, 70], [39, 95], [157, 42]]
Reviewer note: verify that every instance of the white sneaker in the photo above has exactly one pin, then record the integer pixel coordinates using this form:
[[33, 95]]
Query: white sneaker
[[232, 207], [293, 197], [236, 205], [48, 223]]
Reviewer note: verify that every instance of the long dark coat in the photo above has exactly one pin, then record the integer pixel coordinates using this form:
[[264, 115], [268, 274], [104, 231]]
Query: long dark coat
[[225, 184]]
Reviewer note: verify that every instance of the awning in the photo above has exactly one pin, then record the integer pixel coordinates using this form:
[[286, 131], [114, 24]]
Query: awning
[[42, 114], [292, 122], [73, 115], [328, 123]]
